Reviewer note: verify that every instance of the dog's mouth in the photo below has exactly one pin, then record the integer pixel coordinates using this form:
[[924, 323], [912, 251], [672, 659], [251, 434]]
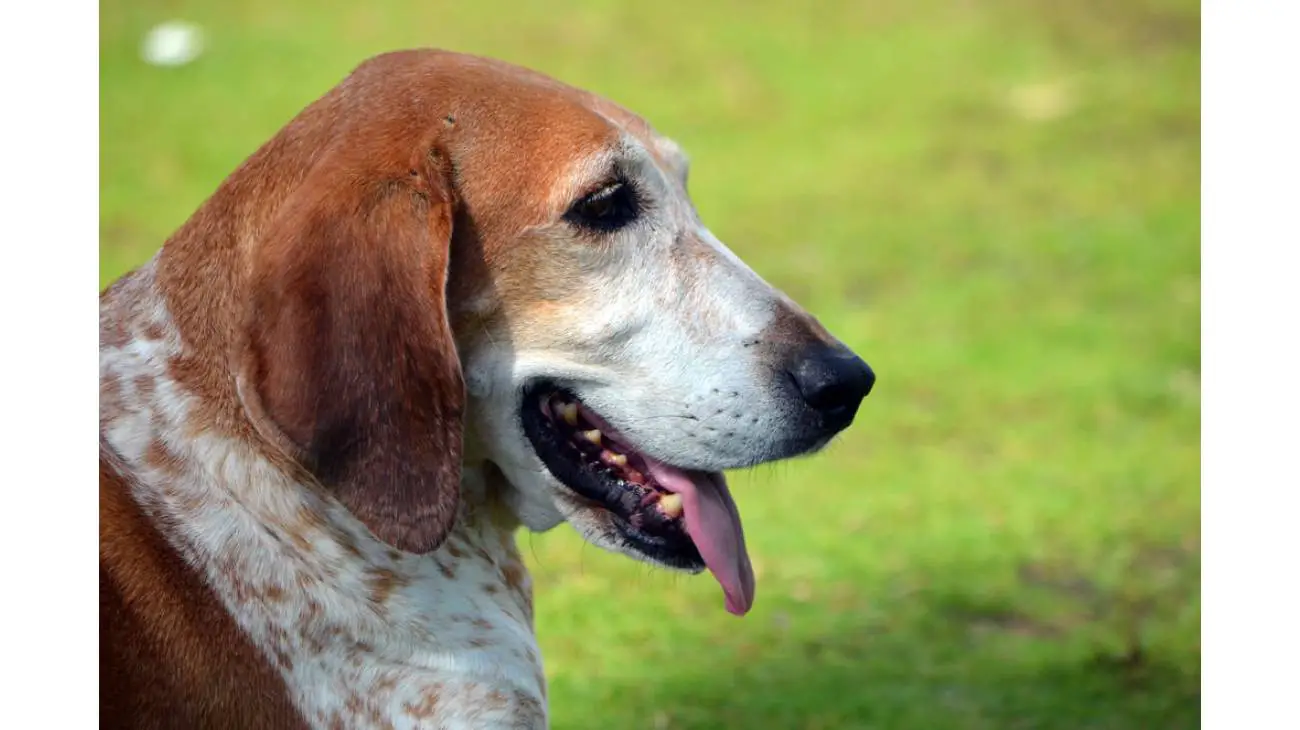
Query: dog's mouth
[[676, 517]]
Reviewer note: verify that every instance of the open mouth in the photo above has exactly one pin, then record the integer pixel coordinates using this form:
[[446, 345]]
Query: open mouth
[[679, 518]]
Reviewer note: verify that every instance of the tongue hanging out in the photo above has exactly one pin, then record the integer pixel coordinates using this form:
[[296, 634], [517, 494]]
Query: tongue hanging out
[[713, 522], [658, 501]]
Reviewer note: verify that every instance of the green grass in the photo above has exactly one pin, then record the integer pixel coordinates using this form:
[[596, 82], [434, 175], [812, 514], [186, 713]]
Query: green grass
[[996, 203]]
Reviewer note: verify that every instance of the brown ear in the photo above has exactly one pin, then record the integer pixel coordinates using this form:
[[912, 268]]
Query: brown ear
[[350, 353]]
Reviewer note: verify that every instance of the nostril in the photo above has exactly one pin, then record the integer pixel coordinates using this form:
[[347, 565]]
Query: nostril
[[826, 394], [833, 384]]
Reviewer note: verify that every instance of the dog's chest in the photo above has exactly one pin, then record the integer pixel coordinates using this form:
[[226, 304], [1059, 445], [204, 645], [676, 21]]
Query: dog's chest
[[441, 641], [365, 636]]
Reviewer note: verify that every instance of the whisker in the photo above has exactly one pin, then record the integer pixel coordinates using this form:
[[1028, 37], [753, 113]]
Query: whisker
[[532, 548]]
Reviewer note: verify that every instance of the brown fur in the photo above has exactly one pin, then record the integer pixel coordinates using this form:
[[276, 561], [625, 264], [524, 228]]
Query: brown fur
[[169, 656], [370, 403]]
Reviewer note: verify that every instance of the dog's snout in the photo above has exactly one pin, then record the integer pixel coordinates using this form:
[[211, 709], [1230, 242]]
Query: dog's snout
[[833, 382]]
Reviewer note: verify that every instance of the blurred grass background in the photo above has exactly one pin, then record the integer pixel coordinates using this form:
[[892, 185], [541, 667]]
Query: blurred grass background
[[996, 203]]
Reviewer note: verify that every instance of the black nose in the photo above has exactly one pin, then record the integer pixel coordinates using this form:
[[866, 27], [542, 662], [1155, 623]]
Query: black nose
[[833, 382]]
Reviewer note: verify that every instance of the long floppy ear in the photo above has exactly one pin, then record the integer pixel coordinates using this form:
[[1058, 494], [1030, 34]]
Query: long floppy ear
[[349, 349]]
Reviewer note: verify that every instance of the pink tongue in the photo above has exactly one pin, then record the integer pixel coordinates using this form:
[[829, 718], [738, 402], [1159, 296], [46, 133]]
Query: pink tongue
[[713, 522]]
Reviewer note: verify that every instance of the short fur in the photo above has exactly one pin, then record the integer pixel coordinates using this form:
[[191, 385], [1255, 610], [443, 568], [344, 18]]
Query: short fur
[[312, 468]]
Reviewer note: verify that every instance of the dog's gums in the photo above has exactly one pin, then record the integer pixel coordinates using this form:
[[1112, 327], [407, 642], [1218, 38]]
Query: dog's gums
[[586, 442], [673, 517]]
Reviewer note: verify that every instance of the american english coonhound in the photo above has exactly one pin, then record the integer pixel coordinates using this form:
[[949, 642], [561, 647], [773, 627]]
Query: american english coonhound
[[450, 298]]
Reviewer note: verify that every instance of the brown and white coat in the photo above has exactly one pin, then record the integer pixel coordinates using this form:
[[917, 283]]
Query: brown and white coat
[[312, 466]]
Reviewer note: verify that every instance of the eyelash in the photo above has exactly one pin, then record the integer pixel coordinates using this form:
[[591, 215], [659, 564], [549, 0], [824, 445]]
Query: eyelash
[[608, 209]]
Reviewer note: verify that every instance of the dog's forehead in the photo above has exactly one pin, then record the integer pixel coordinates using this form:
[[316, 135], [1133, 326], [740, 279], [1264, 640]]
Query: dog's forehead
[[666, 153], [532, 132]]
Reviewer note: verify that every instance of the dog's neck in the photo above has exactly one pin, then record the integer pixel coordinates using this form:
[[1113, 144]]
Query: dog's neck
[[330, 606]]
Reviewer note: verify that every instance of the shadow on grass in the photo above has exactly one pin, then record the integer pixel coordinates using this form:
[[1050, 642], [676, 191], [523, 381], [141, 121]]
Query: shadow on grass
[[840, 680], [929, 659]]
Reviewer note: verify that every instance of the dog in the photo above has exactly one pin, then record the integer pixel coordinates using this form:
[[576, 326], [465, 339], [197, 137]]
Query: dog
[[451, 298]]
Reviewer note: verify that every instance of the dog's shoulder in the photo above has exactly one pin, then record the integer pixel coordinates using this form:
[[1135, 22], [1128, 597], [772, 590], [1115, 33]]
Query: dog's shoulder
[[169, 655]]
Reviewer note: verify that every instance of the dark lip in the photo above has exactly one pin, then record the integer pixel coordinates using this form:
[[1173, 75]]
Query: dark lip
[[659, 540]]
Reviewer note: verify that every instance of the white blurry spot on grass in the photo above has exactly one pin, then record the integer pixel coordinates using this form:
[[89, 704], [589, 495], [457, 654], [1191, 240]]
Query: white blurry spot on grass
[[174, 43], [1041, 102]]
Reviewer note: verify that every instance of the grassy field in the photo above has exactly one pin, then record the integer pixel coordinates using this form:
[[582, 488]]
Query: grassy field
[[996, 203]]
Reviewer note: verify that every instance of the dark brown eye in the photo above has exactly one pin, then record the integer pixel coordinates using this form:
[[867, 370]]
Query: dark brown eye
[[607, 209]]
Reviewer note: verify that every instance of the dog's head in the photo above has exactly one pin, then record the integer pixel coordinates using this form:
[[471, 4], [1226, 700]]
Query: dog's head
[[456, 242]]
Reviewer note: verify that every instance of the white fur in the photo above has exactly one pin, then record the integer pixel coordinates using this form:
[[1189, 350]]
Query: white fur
[[660, 342]]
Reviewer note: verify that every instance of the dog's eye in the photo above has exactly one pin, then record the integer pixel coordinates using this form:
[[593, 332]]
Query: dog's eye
[[607, 209]]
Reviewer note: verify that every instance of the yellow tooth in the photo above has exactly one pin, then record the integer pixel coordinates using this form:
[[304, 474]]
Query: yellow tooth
[[569, 412], [671, 504], [593, 436], [615, 459]]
